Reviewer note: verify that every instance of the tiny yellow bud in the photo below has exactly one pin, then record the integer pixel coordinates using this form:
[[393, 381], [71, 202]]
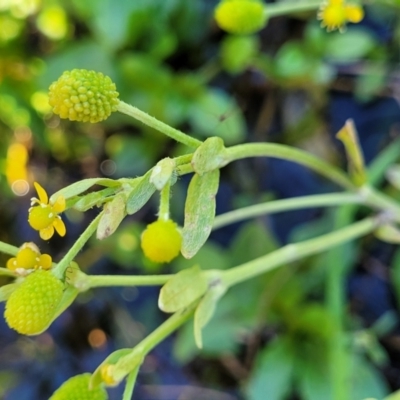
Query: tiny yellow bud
[[82, 95], [241, 16], [161, 241]]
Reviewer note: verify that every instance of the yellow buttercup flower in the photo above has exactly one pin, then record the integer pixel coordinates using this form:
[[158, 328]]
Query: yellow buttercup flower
[[29, 259], [43, 215], [335, 14], [161, 241]]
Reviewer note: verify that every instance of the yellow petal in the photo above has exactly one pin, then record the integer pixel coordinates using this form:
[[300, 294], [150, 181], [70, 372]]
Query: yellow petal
[[45, 261], [41, 193], [12, 264], [354, 13], [47, 233], [59, 205], [60, 226]]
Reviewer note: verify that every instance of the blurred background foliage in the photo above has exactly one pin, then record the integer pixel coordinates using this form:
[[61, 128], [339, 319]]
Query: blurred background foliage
[[292, 83]]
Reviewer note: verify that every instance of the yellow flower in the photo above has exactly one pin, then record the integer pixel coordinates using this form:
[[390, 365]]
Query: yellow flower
[[161, 241], [334, 14], [43, 215], [29, 259]]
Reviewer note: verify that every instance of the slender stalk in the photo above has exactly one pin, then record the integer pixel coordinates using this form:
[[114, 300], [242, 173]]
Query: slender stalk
[[60, 268], [152, 340], [154, 123], [277, 9], [8, 249], [163, 211], [269, 207], [291, 154], [130, 384], [336, 305], [293, 252], [125, 280]]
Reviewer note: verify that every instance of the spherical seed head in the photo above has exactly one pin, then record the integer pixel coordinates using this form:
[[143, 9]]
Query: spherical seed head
[[77, 388], [161, 241], [82, 95], [31, 307], [240, 16]]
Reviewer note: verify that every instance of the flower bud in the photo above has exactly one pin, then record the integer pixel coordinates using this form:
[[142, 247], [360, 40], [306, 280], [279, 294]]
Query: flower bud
[[31, 307], [82, 95]]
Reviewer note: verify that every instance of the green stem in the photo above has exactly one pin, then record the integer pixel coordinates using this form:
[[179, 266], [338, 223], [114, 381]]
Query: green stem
[[288, 153], [8, 249], [269, 207], [275, 10], [149, 342], [130, 384], [59, 270], [154, 123], [163, 211], [125, 280], [296, 251], [380, 201]]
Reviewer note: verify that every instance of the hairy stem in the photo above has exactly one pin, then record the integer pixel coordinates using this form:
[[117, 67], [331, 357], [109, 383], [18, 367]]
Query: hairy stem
[[154, 123]]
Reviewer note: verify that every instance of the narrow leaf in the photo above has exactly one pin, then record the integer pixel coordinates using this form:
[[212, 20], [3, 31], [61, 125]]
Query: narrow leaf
[[205, 310], [199, 212], [84, 203], [349, 137], [140, 194], [210, 155], [388, 233], [6, 290], [81, 186], [393, 175], [162, 172], [182, 289], [114, 213]]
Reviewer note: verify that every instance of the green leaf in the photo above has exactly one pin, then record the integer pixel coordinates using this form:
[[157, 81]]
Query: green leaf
[[140, 194], [7, 272], [388, 233], [210, 155], [88, 201], [273, 373], [355, 44], [393, 396], [162, 172], [182, 289], [199, 212], [393, 175], [113, 214], [205, 310], [81, 186], [216, 114], [237, 52], [6, 290]]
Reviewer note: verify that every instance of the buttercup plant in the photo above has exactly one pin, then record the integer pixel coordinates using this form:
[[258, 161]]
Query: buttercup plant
[[42, 290]]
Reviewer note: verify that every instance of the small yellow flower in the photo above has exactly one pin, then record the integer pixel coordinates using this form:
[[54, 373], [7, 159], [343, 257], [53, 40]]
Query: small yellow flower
[[335, 14], [29, 259], [43, 215], [161, 241]]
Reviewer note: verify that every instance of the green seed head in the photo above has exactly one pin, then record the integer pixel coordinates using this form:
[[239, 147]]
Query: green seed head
[[82, 95], [31, 307], [77, 388]]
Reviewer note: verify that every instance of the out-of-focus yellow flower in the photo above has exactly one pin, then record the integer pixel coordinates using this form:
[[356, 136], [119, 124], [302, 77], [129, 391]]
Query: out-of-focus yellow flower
[[335, 14], [241, 16], [44, 215], [16, 168], [29, 259]]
